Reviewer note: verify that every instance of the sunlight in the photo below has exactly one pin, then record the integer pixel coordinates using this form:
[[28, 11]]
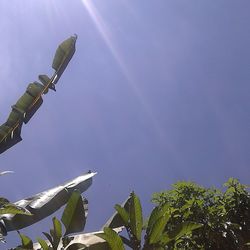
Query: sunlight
[[105, 33], [103, 29]]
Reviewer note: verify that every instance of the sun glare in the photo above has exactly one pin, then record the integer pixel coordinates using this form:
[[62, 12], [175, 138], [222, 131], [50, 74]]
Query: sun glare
[[103, 29]]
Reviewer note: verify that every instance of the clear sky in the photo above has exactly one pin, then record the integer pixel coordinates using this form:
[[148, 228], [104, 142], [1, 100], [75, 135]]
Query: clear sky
[[158, 91]]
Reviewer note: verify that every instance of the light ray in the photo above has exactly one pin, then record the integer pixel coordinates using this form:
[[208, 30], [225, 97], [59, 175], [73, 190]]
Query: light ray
[[107, 37]]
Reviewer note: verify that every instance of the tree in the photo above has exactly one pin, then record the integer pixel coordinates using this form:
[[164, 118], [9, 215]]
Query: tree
[[225, 215]]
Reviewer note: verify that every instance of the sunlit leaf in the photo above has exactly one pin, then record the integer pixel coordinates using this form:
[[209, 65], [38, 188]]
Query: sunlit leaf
[[43, 244], [57, 228], [112, 238], [56, 233], [13, 209], [157, 212], [158, 228], [26, 241], [135, 214]]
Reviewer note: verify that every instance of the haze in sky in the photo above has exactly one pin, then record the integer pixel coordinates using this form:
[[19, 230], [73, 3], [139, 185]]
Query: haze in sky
[[157, 92]]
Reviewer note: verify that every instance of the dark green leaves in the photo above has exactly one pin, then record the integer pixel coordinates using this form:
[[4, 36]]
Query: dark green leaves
[[49, 237], [73, 216], [76, 246], [180, 230], [123, 214], [73, 219]]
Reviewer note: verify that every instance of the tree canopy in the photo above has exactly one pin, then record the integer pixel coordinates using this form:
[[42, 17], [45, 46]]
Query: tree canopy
[[225, 215]]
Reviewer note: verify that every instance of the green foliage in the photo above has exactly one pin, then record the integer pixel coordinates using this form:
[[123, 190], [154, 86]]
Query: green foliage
[[117, 220], [181, 230], [156, 236], [156, 224], [55, 234], [135, 216], [187, 217], [73, 219], [43, 244], [225, 215], [7, 207], [157, 229], [26, 241], [112, 238], [123, 214]]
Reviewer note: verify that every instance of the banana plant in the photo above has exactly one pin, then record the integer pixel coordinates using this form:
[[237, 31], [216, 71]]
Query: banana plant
[[6, 208], [73, 219]]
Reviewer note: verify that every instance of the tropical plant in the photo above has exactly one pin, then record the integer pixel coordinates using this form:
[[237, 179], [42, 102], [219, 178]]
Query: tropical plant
[[73, 219], [188, 216], [154, 230], [6, 207]]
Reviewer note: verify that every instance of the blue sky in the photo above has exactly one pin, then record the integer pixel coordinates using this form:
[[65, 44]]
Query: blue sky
[[158, 91]]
